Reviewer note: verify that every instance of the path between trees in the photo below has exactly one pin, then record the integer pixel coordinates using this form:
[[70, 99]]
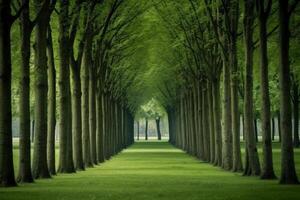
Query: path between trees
[[152, 170]]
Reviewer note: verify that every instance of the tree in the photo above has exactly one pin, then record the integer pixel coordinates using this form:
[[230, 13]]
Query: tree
[[66, 164], [252, 163], [7, 177], [39, 164], [288, 173], [263, 14], [26, 26], [51, 105]]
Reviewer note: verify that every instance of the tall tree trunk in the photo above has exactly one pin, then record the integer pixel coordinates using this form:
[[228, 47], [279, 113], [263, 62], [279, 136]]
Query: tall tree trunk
[[235, 115], [51, 105], [205, 123], [7, 177], [253, 160], [288, 172], [255, 129], [66, 164], [138, 130], [25, 174], [92, 114], [227, 133], [85, 105], [200, 125], [157, 120], [100, 136], [146, 129], [267, 165], [217, 122], [211, 122], [77, 119], [39, 164]]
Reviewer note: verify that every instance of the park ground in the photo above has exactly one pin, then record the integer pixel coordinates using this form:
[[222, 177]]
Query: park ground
[[155, 170]]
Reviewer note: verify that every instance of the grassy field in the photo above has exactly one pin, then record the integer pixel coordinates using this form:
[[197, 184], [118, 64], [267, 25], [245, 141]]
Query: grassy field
[[155, 170]]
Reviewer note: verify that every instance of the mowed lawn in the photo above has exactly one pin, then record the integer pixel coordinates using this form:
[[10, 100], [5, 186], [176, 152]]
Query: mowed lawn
[[155, 170]]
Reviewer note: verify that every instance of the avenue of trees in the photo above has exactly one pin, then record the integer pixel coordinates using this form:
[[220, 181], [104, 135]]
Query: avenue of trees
[[64, 53], [234, 58], [88, 66]]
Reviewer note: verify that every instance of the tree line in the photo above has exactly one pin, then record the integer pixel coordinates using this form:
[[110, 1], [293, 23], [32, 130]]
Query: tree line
[[217, 44], [73, 82]]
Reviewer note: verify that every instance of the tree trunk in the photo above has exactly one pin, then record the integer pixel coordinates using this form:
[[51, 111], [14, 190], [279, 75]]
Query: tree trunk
[[157, 120], [66, 164], [227, 133], [217, 122], [51, 106], [288, 172], [267, 165], [253, 160], [211, 122], [255, 129], [205, 123], [138, 130], [235, 115], [92, 113], [100, 136], [85, 105], [7, 177], [25, 174], [146, 129], [76, 118], [39, 164]]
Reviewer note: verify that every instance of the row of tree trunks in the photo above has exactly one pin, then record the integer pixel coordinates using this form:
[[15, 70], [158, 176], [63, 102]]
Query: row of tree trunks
[[194, 123], [92, 126], [196, 129]]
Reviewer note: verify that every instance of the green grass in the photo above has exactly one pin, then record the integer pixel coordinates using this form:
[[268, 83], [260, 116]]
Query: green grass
[[155, 170]]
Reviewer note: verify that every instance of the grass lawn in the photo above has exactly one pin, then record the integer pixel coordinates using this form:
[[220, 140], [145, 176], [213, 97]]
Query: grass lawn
[[155, 170]]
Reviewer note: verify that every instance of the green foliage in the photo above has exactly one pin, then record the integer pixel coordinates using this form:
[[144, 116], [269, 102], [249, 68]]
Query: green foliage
[[150, 110]]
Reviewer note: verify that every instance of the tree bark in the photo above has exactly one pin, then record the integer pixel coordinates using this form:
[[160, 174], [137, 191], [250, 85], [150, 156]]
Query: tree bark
[[253, 160], [66, 164], [146, 129], [25, 174], [217, 122], [157, 120], [92, 113], [85, 105], [211, 122], [76, 118], [39, 164], [138, 130], [234, 84], [51, 105], [288, 172], [227, 133], [100, 135], [267, 165], [7, 177]]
